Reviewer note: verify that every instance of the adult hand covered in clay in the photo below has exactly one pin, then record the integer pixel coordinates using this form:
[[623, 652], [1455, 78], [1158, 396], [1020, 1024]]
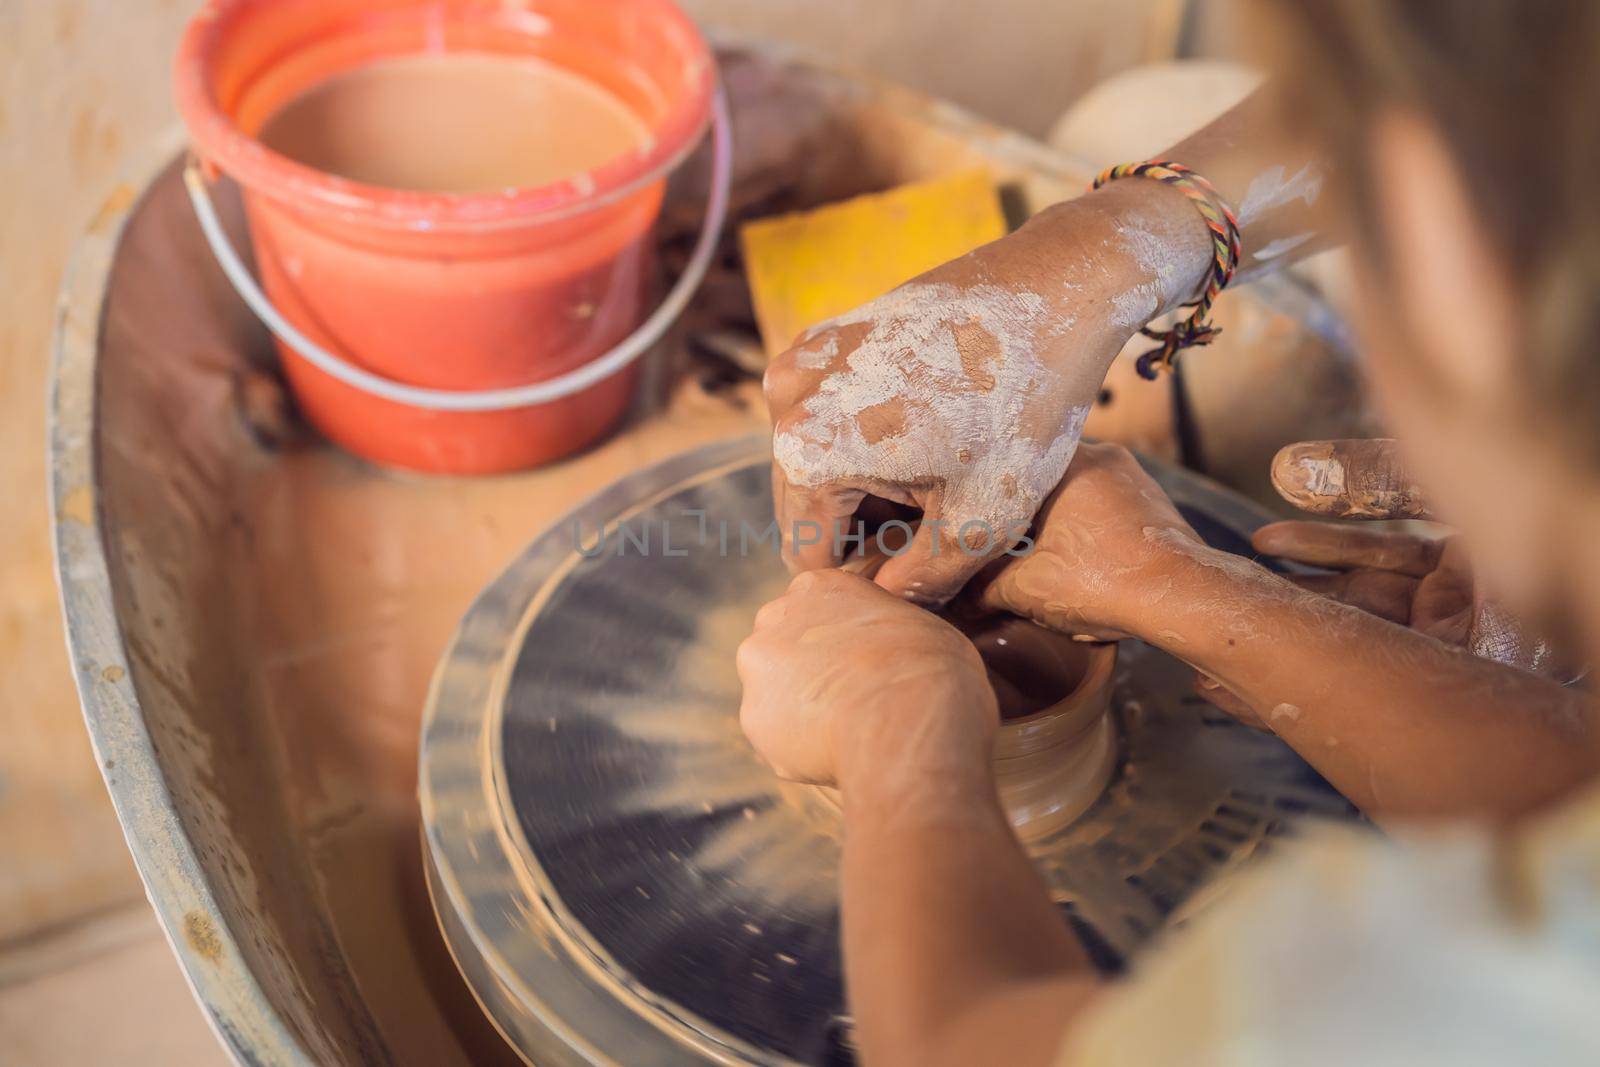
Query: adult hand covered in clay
[[964, 392], [1103, 543], [837, 656], [1419, 581]]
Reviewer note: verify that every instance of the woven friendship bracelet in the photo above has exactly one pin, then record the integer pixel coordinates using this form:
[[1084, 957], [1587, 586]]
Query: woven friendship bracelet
[[1197, 329]]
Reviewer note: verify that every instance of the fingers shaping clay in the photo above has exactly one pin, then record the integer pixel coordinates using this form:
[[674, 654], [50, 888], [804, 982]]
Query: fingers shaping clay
[[1056, 748]]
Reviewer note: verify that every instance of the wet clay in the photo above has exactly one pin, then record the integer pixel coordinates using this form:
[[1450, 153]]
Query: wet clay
[[1030, 668], [459, 122], [1056, 748]]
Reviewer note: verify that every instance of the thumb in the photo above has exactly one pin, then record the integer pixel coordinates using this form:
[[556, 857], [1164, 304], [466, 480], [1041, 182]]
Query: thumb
[[938, 563], [995, 590], [1352, 479]]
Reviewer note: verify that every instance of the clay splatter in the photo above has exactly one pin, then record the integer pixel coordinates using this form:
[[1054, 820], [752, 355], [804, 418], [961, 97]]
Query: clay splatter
[[1272, 189]]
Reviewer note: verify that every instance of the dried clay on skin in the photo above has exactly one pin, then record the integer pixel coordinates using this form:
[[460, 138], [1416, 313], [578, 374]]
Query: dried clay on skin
[[1499, 636], [944, 377], [1162, 250], [1347, 478], [1282, 246], [710, 769], [1284, 711], [1249, 616], [1324, 475], [1271, 190]]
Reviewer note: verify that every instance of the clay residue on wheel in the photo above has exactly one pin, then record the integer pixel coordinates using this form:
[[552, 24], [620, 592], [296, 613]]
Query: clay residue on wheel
[[771, 850]]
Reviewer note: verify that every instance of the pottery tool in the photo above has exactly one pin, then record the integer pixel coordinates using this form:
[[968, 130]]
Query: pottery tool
[[621, 879], [809, 266]]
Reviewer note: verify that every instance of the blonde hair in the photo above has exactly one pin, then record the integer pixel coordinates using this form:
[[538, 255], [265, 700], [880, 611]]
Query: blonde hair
[[1513, 87]]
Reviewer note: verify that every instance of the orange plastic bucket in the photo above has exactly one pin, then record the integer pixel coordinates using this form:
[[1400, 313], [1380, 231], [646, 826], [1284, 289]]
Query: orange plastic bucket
[[443, 300]]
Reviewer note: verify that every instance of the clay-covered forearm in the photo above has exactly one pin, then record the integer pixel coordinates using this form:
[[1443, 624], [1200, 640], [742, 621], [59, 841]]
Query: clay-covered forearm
[[953, 949], [1160, 245], [964, 391], [1148, 246], [1089, 272], [1274, 186], [1403, 725]]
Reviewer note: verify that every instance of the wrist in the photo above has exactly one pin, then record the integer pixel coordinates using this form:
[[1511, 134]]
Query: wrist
[[926, 731], [1189, 594], [1184, 571], [1156, 252]]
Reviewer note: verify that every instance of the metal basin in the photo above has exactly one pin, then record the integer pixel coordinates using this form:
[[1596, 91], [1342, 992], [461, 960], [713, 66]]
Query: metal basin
[[254, 626]]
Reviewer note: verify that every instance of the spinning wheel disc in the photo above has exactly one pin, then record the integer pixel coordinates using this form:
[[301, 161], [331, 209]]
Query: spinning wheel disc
[[621, 879]]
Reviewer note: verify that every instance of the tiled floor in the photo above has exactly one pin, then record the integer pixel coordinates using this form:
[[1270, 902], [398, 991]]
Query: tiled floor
[[107, 991]]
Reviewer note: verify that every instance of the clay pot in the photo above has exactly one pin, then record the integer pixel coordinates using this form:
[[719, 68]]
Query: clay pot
[[1056, 748]]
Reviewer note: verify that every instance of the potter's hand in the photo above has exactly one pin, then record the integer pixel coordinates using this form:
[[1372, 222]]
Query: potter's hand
[[1351, 479], [1414, 580], [836, 659], [1422, 582], [964, 392], [1103, 540]]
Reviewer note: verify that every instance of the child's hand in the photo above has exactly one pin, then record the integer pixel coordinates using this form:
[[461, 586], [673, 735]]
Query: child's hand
[[878, 404], [1104, 543], [837, 664]]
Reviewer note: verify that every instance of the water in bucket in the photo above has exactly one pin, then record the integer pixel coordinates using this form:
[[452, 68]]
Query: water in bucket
[[452, 195], [462, 122]]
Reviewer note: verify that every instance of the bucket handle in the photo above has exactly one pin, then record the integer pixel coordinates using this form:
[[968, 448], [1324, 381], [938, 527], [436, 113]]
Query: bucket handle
[[543, 392]]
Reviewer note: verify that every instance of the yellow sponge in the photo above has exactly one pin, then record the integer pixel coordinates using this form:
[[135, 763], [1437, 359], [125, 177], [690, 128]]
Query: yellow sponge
[[812, 265]]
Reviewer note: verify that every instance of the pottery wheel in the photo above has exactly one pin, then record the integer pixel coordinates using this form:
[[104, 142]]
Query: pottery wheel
[[621, 880]]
